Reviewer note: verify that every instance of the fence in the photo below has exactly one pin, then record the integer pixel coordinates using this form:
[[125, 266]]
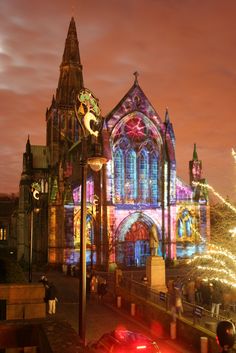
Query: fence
[[194, 313]]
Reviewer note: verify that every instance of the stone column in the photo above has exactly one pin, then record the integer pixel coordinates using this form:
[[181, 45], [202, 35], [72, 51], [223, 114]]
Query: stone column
[[156, 273]]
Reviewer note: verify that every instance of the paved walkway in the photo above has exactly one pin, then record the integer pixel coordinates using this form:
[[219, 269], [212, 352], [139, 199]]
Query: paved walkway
[[101, 317]]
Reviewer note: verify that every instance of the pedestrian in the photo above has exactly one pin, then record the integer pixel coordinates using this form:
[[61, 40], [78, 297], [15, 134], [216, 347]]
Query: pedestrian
[[52, 298], [178, 303], [43, 280], [64, 268], [172, 300], [102, 288], [94, 284], [216, 299]]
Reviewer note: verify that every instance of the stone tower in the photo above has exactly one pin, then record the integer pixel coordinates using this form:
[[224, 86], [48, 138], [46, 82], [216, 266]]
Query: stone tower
[[62, 132], [195, 167]]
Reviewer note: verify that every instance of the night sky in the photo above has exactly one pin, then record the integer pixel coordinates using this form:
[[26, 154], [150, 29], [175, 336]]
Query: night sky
[[184, 51]]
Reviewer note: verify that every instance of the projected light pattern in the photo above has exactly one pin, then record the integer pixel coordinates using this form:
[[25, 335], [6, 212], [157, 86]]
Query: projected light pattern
[[141, 180], [136, 161]]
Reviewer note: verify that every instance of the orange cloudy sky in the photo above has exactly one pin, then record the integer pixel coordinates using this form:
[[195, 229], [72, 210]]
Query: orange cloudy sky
[[184, 51]]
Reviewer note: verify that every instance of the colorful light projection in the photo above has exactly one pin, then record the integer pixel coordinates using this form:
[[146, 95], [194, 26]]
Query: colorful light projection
[[183, 191], [132, 248], [89, 231], [91, 205], [136, 163], [89, 195], [187, 225]]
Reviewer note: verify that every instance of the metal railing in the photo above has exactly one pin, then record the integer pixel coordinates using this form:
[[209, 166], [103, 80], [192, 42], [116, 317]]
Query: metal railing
[[196, 314]]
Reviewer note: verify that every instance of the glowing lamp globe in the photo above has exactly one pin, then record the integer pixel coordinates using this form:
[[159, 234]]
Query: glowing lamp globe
[[96, 163]]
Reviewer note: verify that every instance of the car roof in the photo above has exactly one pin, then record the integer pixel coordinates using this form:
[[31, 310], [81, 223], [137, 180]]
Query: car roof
[[129, 336]]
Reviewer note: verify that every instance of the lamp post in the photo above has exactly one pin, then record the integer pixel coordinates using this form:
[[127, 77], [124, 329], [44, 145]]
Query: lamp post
[[95, 162], [34, 208]]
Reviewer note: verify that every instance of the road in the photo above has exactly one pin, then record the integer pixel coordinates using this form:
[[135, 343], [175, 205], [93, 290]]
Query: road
[[102, 317]]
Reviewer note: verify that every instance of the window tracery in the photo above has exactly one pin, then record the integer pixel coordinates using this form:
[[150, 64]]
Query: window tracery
[[136, 147]]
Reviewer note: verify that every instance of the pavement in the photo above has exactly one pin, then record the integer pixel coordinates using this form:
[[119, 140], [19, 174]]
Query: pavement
[[102, 316]]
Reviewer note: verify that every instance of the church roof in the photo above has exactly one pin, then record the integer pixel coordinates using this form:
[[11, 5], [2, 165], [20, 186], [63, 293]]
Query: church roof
[[134, 100]]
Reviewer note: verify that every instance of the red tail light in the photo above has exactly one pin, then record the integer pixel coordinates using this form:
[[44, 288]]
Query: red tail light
[[141, 347]]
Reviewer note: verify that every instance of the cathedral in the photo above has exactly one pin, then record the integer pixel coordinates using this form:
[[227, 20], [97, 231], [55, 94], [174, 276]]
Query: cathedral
[[136, 190]]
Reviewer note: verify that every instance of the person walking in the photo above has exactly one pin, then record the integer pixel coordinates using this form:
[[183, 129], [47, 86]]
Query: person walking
[[102, 288], [52, 298], [94, 284], [216, 299], [178, 302]]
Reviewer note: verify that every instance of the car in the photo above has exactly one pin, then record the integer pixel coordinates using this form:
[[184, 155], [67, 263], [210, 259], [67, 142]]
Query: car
[[123, 341]]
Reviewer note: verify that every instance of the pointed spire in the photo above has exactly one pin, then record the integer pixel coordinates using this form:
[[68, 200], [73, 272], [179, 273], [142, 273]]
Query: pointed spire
[[71, 51], [195, 156], [53, 101], [28, 147], [27, 158], [167, 118], [71, 77], [136, 74]]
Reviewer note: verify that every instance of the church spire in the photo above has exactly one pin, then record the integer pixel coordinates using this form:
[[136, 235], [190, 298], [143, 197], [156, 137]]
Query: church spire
[[167, 118], [195, 156], [195, 167], [71, 77]]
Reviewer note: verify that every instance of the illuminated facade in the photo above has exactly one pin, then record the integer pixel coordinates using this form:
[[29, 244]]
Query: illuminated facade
[[137, 188]]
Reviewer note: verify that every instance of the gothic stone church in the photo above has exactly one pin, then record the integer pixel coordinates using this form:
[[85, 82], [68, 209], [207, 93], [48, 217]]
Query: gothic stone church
[[135, 190]]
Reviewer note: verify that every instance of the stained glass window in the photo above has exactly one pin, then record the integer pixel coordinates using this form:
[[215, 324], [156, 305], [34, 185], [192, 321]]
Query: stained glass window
[[131, 176], [119, 174], [136, 146], [154, 178], [143, 176]]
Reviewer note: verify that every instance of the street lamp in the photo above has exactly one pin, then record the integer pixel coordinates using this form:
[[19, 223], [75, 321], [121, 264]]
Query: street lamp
[[96, 162], [34, 208]]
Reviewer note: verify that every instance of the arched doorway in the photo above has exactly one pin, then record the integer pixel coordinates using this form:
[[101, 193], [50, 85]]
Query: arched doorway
[[132, 247], [90, 245]]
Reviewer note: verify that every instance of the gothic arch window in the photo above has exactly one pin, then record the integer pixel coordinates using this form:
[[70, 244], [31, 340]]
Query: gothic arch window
[[136, 145], [143, 167], [119, 174], [185, 222], [154, 174], [131, 176]]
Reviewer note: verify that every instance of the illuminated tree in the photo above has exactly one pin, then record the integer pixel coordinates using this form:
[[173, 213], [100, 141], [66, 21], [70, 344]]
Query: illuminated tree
[[218, 261], [223, 221]]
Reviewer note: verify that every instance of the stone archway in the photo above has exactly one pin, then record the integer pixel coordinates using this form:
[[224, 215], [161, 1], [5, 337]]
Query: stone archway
[[132, 247]]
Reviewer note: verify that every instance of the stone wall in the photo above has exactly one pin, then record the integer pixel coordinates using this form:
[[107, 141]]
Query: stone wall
[[39, 335], [23, 301]]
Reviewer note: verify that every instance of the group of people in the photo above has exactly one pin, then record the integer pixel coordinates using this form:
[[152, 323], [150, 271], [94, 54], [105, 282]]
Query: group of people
[[50, 295], [95, 285], [208, 295]]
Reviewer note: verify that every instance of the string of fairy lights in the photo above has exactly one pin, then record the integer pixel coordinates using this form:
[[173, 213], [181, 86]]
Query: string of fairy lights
[[218, 263]]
